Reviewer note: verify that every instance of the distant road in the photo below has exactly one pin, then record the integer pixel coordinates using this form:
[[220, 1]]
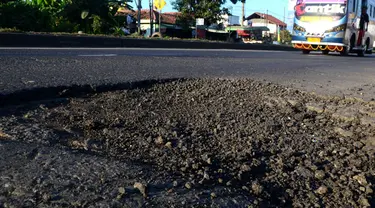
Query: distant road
[[25, 68]]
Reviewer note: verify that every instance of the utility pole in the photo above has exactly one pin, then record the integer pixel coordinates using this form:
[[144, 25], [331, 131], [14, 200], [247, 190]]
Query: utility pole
[[267, 23], [139, 16], [229, 21], [151, 2], [243, 13], [160, 21]]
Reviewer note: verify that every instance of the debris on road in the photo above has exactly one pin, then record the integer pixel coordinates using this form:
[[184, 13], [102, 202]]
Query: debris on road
[[256, 143]]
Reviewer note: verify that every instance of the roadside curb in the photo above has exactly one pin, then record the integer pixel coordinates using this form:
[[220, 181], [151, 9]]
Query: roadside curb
[[48, 40]]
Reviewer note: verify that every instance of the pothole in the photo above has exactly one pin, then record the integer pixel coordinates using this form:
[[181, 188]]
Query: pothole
[[283, 147]]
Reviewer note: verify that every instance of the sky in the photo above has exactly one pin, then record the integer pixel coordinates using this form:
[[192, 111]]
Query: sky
[[274, 7]]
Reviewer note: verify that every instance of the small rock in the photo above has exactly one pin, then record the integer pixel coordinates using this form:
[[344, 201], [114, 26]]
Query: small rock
[[257, 188], [315, 107], [4, 135], [159, 140], [195, 166], [363, 189], [358, 145], [8, 188], [188, 185], [141, 188], [343, 132], [79, 144], [46, 197], [292, 102], [319, 174], [322, 190], [121, 190], [322, 154], [304, 172], [343, 178], [369, 190], [175, 183], [361, 179], [209, 161], [206, 176], [168, 145], [213, 195], [364, 202], [220, 180], [370, 141], [245, 168]]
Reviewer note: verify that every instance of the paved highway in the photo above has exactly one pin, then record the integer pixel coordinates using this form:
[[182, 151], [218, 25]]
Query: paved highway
[[26, 68]]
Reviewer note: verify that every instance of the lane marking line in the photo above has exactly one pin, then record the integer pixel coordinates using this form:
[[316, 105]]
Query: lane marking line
[[142, 49], [97, 55]]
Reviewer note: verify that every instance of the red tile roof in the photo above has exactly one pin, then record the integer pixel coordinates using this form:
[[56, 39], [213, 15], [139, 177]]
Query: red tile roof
[[268, 17], [166, 17]]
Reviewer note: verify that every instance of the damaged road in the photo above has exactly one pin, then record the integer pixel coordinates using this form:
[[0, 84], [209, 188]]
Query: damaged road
[[196, 142]]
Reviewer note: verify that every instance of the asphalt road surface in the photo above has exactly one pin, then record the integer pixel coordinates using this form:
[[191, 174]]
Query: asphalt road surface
[[212, 143], [26, 68]]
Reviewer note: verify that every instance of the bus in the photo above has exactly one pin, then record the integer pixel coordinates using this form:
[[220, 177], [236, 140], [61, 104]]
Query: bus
[[332, 26]]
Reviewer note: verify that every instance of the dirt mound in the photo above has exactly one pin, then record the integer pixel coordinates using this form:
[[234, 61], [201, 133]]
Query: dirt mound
[[276, 146]]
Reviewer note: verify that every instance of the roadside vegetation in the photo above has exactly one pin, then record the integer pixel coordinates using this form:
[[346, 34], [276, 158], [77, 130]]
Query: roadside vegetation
[[88, 16], [95, 17]]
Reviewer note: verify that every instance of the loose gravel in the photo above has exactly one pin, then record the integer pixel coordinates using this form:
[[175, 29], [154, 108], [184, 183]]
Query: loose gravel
[[199, 142]]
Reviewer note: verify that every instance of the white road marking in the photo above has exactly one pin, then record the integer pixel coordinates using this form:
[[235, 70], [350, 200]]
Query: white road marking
[[97, 55], [142, 49]]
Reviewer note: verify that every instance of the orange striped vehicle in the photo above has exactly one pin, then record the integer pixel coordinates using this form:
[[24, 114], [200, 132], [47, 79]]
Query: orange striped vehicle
[[332, 26]]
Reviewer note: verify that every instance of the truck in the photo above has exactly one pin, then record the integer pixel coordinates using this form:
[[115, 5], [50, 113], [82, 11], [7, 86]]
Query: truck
[[333, 26]]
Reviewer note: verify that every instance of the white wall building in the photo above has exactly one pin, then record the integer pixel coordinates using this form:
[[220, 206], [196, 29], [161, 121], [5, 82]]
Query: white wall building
[[266, 20]]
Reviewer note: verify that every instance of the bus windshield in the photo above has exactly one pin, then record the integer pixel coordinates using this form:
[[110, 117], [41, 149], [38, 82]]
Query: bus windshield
[[320, 10]]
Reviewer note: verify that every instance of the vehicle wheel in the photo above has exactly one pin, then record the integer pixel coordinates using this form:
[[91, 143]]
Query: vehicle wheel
[[306, 51], [368, 49], [345, 51], [362, 52], [157, 35], [325, 52]]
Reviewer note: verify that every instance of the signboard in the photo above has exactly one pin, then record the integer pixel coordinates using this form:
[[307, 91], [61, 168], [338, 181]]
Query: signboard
[[290, 15], [159, 4], [200, 21]]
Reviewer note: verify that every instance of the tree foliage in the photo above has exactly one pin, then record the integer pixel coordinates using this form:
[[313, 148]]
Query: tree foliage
[[285, 36], [92, 16], [235, 1], [210, 10]]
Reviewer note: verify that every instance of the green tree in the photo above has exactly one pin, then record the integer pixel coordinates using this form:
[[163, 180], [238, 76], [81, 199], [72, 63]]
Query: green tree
[[285, 36], [210, 10], [97, 13], [48, 3], [62, 15]]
